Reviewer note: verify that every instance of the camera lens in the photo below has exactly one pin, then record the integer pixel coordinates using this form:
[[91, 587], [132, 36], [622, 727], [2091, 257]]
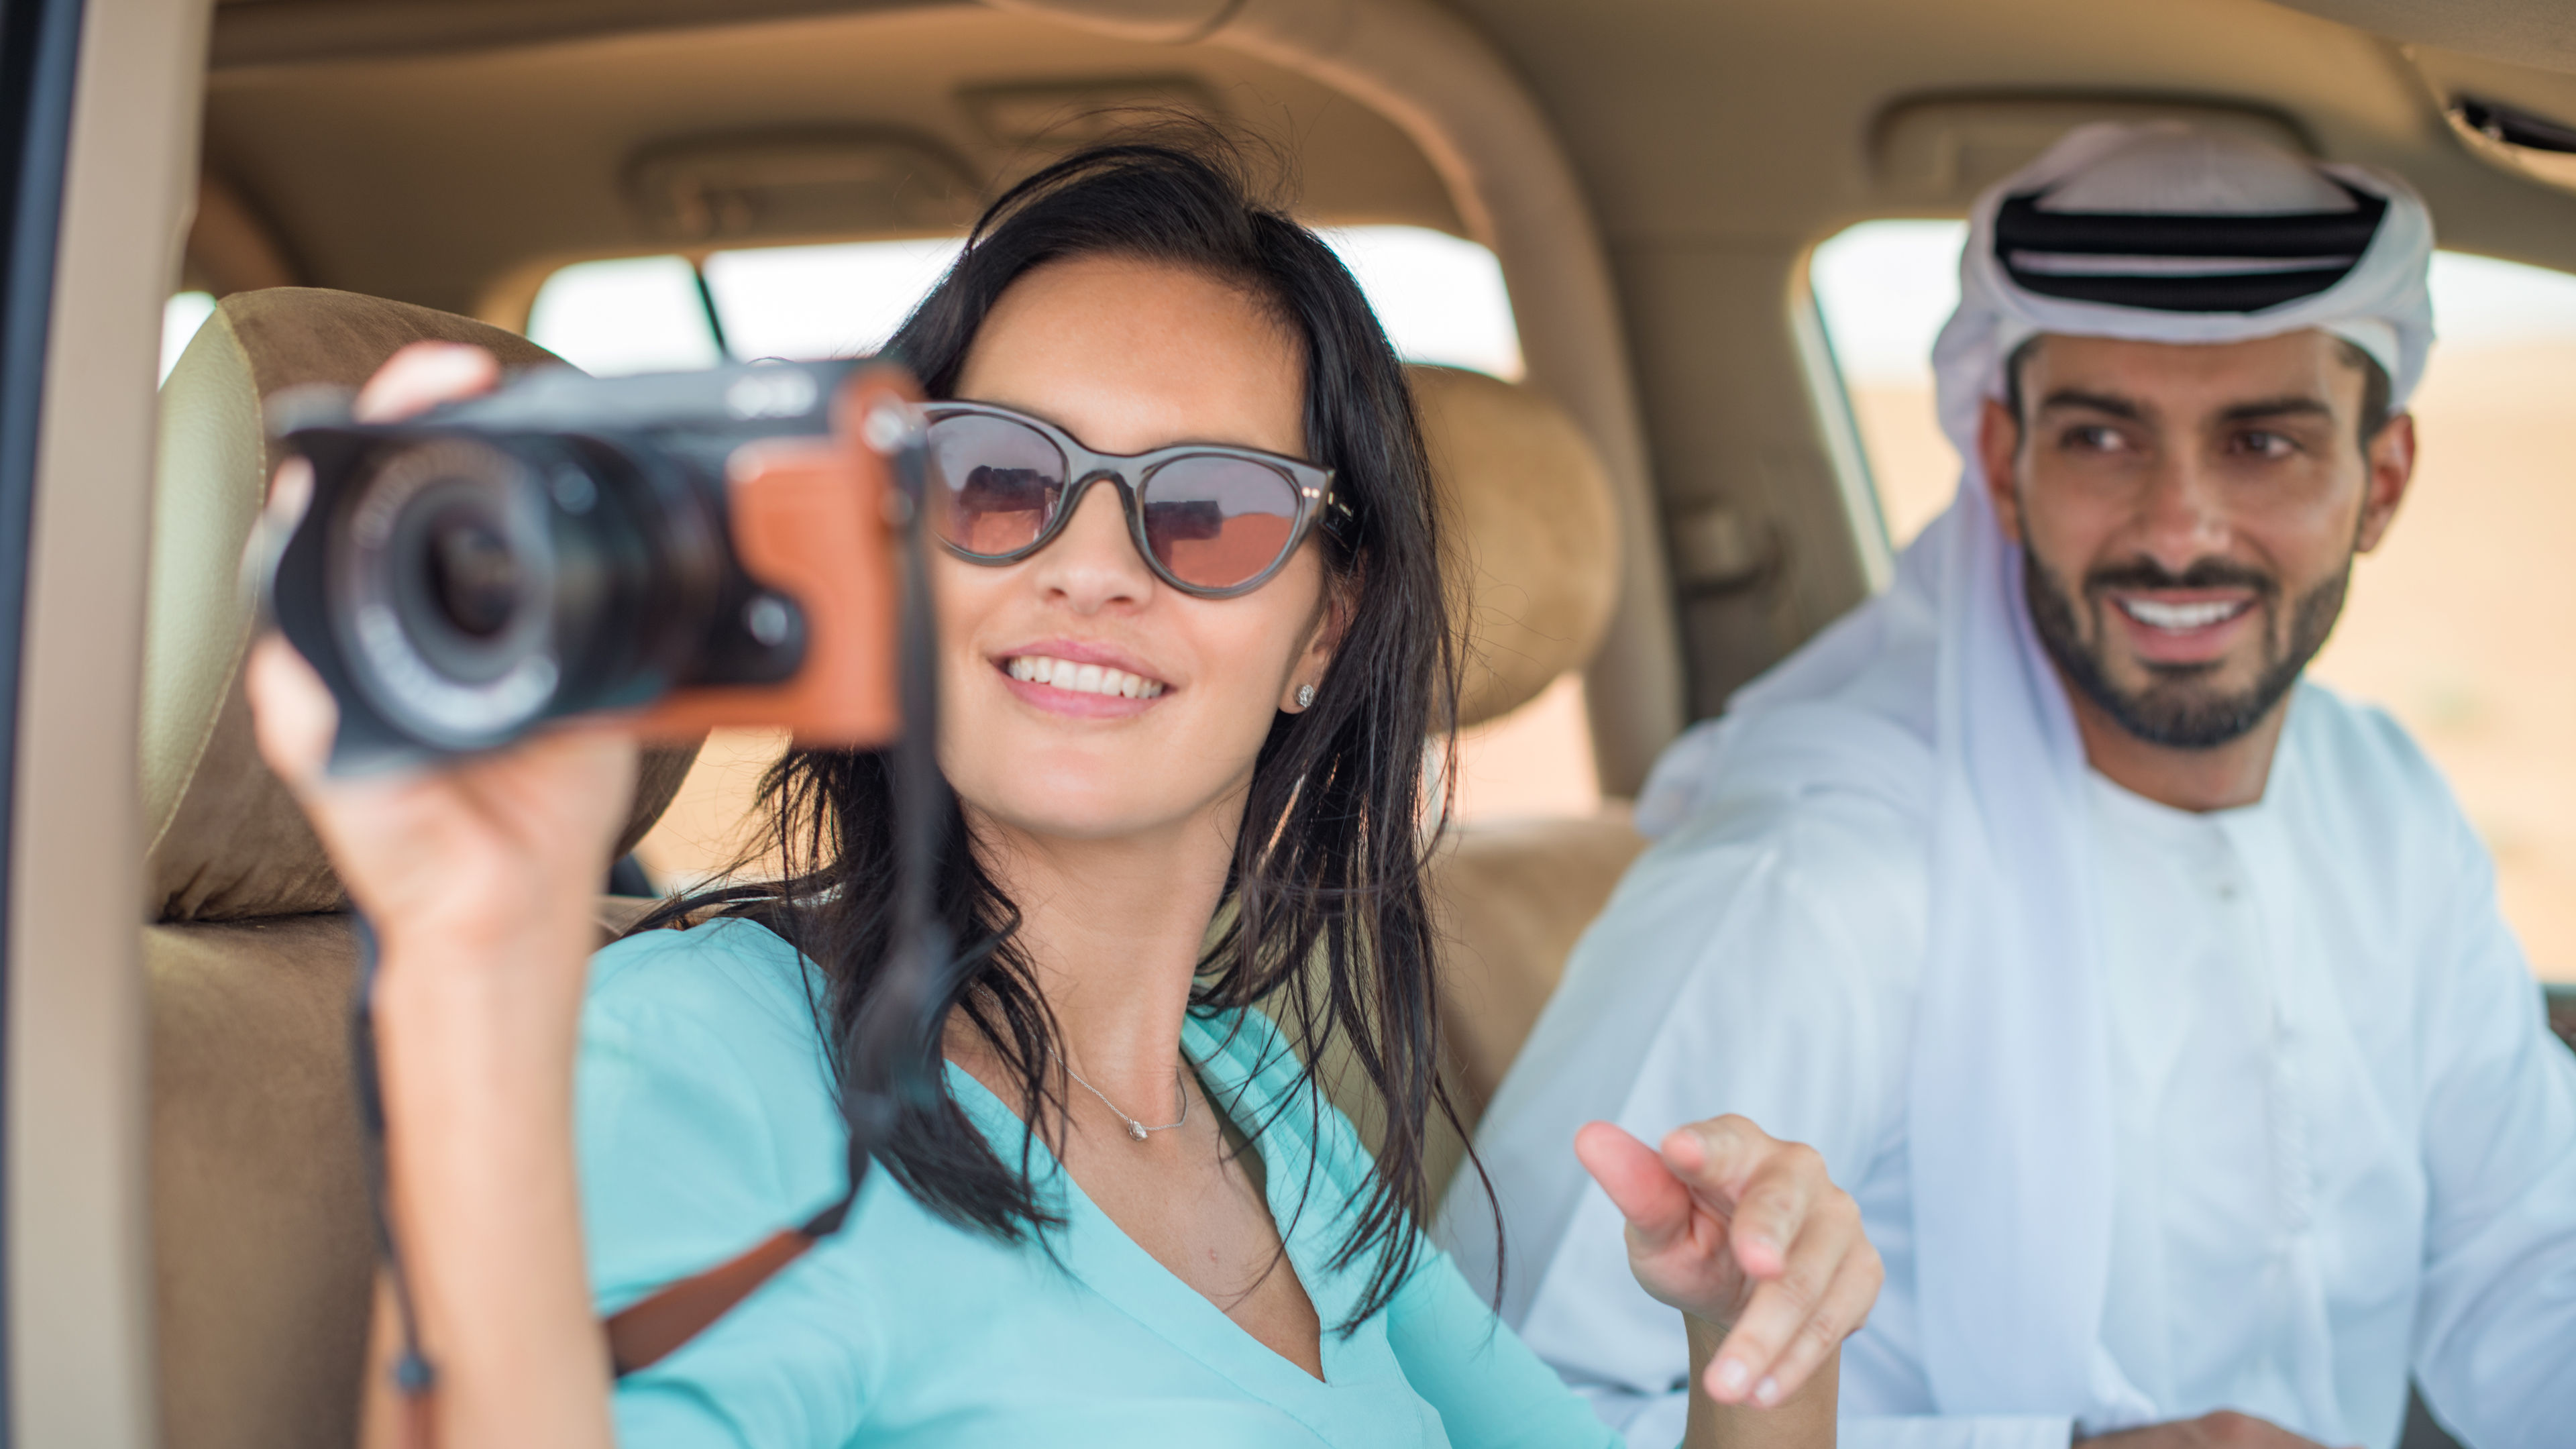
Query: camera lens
[[442, 584], [472, 600], [473, 575]]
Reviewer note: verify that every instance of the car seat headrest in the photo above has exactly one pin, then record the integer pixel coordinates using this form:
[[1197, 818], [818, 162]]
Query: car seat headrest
[[1534, 534], [225, 840]]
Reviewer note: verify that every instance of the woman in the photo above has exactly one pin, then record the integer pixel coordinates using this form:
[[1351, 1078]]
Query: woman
[[1130, 1219]]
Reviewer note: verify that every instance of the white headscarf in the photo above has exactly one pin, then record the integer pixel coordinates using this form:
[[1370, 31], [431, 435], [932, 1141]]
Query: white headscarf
[[2010, 1115]]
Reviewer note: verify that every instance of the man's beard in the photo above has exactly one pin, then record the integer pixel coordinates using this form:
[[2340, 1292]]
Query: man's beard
[[2177, 710]]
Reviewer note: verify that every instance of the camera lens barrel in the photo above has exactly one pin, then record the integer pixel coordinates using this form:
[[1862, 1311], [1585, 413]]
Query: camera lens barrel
[[479, 583], [560, 546]]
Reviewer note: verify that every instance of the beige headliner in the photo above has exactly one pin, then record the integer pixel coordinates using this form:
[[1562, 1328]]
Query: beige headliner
[[450, 151], [426, 145]]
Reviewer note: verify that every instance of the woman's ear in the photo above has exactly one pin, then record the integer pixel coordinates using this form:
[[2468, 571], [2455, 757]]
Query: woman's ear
[[1323, 641]]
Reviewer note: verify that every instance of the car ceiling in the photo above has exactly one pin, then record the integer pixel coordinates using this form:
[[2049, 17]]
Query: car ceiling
[[449, 152], [438, 174], [1756, 119], [2523, 32], [420, 147]]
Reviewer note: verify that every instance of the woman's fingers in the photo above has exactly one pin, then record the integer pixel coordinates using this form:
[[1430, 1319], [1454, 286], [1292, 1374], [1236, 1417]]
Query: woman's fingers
[[1798, 1242], [1656, 1205], [1761, 1185], [1801, 1312], [1719, 1156], [1843, 1309], [291, 712], [423, 375]]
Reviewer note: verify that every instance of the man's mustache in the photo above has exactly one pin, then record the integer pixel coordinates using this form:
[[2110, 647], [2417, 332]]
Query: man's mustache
[[2207, 573]]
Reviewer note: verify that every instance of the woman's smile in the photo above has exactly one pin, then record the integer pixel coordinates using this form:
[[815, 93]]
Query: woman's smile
[[1083, 679]]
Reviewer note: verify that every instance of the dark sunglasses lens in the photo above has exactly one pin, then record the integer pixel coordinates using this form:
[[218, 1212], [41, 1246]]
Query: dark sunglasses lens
[[1217, 523], [993, 483]]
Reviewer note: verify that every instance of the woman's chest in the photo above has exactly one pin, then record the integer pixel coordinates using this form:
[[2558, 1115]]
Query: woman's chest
[[1193, 1203], [1075, 1342]]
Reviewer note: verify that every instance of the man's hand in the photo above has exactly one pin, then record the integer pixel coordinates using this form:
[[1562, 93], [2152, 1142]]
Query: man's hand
[[2226, 1429]]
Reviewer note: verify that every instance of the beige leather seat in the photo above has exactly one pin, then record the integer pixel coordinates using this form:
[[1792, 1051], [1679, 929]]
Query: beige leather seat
[[1535, 575], [259, 1208]]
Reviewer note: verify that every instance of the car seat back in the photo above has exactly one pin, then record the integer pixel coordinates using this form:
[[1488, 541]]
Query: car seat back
[[263, 1248], [1534, 572]]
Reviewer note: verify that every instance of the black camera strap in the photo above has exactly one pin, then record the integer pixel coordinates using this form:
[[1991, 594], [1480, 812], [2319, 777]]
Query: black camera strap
[[412, 1375], [892, 1057]]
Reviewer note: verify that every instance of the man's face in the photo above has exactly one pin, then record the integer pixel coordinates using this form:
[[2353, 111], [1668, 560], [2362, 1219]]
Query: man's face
[[2189, 516]]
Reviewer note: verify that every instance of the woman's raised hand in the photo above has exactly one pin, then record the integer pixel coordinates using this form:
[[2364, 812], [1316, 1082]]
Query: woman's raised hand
[[1750, 1239], [500, 853], [479, 877]]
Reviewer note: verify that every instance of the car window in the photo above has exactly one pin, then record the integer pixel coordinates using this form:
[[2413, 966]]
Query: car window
[[651, 314], [1442, 300], [180, 318], [2452, 624]]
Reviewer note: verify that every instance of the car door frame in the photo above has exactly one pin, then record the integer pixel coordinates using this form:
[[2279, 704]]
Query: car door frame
[[121, 83]]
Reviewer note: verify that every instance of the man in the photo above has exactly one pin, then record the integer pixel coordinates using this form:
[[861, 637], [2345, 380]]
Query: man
[[2154, 1004]]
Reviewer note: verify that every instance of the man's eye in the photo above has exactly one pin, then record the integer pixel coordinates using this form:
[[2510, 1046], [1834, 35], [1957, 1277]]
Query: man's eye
[[2095, 438], [2264, 444]]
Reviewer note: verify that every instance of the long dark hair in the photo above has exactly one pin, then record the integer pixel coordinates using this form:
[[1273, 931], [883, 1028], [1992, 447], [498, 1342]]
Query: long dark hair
[[1325, 925]]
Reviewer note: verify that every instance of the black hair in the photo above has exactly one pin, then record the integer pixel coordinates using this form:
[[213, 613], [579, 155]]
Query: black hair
[[1325, 924], [2375, 390]]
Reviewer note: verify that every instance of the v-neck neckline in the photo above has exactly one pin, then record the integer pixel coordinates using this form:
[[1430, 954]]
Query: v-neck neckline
[[1100, 1253]]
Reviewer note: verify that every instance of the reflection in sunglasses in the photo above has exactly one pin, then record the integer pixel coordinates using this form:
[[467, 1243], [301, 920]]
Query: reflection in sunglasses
[[1224, 555], [1210, 522], [999, 509]]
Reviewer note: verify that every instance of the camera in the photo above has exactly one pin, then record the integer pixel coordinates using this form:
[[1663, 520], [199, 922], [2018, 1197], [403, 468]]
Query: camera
[[685, 550]]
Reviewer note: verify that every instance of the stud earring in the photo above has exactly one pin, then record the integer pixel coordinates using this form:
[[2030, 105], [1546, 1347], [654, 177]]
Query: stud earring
[[1305, 695]]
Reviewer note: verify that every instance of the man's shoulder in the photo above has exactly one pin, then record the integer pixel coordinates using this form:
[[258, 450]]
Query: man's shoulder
[[1816, 833], [1811, 838], [2352, 759], [1819, 889]]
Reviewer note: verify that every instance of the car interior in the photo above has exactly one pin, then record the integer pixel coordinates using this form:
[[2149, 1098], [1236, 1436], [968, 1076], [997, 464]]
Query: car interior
[[1671, 497]]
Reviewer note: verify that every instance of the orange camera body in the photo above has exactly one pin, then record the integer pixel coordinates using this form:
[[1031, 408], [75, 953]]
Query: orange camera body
[[683, 551], [810, 518]]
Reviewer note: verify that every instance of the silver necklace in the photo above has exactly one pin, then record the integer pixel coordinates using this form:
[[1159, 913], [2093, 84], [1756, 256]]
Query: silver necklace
[[1135, 1130]]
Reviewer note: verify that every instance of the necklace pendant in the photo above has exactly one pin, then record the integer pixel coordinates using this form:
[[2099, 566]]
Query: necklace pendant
[[1135, 1129]]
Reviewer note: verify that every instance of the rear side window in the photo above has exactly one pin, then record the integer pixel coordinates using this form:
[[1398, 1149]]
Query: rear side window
[[1441, 299], [2454, 624], [180, 318]]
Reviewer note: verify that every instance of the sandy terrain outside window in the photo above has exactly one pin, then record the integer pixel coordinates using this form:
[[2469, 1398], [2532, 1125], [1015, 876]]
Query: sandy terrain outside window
[[2458, 624]]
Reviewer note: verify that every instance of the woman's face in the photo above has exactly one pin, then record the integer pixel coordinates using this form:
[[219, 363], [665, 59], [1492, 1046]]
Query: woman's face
[[1127, 356]]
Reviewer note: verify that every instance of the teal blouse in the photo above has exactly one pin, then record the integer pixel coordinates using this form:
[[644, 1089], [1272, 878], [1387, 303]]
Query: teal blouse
[[707, 1120]]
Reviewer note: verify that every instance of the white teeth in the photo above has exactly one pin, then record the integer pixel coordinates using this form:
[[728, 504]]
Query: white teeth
[[1075, 678], [2181, 618]]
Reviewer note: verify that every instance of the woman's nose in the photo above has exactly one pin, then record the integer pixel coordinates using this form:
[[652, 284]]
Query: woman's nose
[[1093, 563]]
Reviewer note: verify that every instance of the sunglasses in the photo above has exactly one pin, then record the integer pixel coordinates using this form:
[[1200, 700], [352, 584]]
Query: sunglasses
[[1211, 521]]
